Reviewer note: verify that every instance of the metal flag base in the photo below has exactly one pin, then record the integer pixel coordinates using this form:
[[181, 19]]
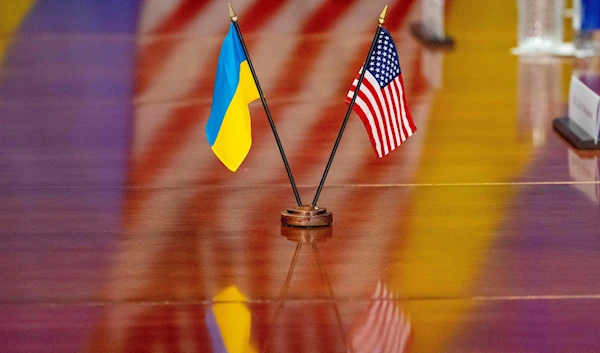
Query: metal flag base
[[574, 134], [419, 31], [306, 216], [307, 235]]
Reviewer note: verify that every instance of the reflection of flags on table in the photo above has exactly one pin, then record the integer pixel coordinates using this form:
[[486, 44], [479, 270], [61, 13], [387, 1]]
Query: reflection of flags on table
[[229, 323], [385, 329], [381, 102]]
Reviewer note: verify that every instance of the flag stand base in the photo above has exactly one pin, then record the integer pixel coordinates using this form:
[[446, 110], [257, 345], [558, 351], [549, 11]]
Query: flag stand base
[[307, 235], [574, 134], [306, 216], [419, 31]]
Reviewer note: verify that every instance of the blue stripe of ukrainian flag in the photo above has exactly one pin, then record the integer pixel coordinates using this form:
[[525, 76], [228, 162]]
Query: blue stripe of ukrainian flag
[[228, 127]]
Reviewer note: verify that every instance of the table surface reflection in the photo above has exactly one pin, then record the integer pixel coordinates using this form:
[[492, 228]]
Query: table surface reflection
[[121, 232]]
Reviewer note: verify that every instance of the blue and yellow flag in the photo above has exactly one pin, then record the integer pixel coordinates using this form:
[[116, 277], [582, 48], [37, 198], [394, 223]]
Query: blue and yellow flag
[[229, 323], [228, 127]]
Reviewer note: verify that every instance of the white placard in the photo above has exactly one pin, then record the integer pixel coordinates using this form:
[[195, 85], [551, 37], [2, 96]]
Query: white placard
[[433, 17], [584, 107]]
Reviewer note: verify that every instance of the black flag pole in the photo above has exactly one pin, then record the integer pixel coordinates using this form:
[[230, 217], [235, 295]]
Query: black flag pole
[[234, 20], [350, 106]]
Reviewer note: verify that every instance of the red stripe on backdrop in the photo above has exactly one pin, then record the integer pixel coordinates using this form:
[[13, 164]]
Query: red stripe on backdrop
[[185, 13], [397, 14], [153, 56], [320, 21], [262, 11]]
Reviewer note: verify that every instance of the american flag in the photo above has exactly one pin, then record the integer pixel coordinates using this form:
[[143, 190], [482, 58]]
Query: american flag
[[384, 328], [179, 39], [381, 102]]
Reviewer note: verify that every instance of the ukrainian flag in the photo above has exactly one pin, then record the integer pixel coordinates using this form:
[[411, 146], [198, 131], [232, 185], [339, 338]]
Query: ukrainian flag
[[229, 323], [228, 127]]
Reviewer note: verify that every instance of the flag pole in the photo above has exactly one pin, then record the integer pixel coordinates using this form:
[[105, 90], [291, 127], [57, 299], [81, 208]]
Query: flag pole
[[351, 105], [234, 20]]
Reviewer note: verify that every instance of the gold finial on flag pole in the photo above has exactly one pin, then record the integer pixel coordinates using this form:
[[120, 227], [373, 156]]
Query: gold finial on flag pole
[[232, 13], [382, 16]]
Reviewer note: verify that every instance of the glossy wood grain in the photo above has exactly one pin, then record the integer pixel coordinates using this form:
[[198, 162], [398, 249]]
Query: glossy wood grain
[[121, 232], [555, 325]]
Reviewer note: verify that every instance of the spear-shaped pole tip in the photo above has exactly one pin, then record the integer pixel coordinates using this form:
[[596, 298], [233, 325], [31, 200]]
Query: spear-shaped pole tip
[[232, 14], [382, 16]]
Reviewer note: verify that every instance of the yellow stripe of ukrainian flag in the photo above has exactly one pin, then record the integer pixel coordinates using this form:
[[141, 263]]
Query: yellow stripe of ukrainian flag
[[229, 128]]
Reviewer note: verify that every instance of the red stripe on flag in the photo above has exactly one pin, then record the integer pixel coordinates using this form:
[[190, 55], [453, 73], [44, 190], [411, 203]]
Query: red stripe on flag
[[375, 91], [393, 115], [395, 93], [403, 110], [363, 97], [390, 109], [404, 118], [378, 119], [408, 115]]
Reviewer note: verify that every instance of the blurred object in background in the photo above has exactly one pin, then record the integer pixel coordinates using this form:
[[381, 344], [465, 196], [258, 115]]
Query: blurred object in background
[[584, 167], [587, 69], [538, 96], [432, 14], [586, 27], [540, 28], [433, 68], [430, 30]]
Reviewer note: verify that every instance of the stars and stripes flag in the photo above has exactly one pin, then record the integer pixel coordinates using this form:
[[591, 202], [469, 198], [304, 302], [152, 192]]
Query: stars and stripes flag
[[384, 328], [381, 102]]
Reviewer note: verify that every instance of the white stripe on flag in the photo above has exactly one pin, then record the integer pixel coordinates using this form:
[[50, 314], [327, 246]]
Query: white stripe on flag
[[365, 110], [390, 108], [404, 120], [374, 104], [395, 85], [386, 329], [390, 88], [398, 121], [380, 102]]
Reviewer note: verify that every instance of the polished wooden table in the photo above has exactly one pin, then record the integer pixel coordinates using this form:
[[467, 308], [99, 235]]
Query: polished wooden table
[[121, 232]]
